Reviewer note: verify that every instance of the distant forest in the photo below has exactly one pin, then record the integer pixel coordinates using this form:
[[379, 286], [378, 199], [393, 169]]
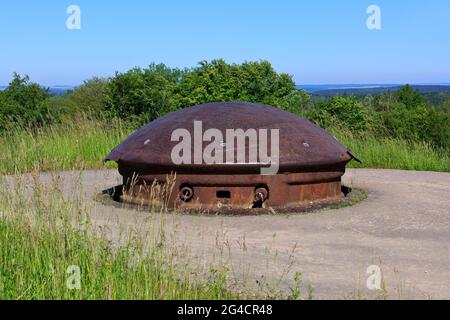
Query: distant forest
[[436, 95]]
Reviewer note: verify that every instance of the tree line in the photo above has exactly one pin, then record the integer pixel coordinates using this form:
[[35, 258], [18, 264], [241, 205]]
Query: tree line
[[144, 94]]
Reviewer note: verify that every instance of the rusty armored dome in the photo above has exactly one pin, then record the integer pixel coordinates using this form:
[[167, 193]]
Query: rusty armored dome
[[309, 161]]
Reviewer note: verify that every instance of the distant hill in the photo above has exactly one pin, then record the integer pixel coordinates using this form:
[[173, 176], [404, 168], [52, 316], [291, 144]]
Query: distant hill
[[57, 90], [313, 88], [437, 98], [436, 94], [360, 90]]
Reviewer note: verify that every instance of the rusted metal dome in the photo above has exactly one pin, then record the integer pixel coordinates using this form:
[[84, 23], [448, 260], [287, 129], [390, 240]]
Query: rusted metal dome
[[310, 161]]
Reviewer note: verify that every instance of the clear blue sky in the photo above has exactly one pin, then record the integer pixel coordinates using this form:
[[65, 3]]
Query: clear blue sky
[[320, 41]]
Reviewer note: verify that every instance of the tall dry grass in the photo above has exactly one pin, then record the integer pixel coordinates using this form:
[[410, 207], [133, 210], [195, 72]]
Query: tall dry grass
[[46, 238]]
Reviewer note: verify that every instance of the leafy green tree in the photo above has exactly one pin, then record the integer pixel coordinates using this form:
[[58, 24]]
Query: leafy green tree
[[10, 111], [423, 123], [29, 95], [348, 112], [143, 93], [438, 128], [151, 92], [218, 81], [409, 97], [298, 102], [380, 102], [23, 102], [91, 97], [399, 122]]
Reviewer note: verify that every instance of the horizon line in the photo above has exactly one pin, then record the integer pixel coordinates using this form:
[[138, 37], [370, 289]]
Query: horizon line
[[296, 84]]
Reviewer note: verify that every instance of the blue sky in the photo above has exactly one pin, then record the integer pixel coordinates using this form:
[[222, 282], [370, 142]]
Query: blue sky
[[321, 41]]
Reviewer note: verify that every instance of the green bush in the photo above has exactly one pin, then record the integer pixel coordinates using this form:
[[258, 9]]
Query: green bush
[[218, 81], [90, 97], [145, 93], [23, 102], [154, 91], [408, 116], [298, 102], [409, 97], [348, 112]]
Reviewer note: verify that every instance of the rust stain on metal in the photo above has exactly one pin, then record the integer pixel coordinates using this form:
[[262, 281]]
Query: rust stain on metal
[[311, 162]]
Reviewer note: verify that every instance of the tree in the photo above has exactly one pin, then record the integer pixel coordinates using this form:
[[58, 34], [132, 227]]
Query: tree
[[23, 102], [91, 97], [409, 97], [348, 112], [250, 81], [29, 95], [143, 93], [298, 102], [151, 92]]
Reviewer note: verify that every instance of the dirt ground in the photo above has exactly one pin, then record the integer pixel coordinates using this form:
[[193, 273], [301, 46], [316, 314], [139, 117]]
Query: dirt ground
[[403, 227]]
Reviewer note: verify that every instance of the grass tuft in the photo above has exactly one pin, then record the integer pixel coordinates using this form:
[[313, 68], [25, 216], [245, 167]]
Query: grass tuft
[[46, 239], [393, 153], [74, 145]]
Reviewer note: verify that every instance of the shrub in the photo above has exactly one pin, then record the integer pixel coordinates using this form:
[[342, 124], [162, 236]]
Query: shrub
[[422, 123], [23, 102], [218, 81], [409, 97], [145, 93], [347, 112], [90, 97], [298, 102], [152, 92]]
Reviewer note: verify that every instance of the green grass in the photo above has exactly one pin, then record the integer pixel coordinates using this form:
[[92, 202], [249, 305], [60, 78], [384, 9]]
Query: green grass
[[42, 234], [80, 145], [390, 153], [84, 144]]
